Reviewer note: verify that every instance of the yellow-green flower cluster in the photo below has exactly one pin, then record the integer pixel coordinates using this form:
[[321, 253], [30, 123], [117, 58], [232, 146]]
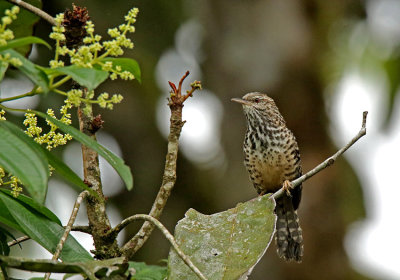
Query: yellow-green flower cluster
[[13, 181], [52, 139], [58, 35], [2, 174], [2, 118], [75, 97], [5, 33], [88, 55], [105, 101], [16, 189], [7, 58], [117, 72]]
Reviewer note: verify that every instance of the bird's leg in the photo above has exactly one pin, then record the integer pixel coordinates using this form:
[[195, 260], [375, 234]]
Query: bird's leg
[[287, 186], [261, 193]]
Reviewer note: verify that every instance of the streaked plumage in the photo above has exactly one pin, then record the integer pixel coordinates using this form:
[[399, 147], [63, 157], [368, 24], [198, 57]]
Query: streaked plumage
[[271, 157]]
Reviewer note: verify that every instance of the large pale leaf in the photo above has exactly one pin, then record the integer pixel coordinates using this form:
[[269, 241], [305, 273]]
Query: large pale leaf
[[116, 162], [40, 228], [23, 160], [225, 245], [144, 271]]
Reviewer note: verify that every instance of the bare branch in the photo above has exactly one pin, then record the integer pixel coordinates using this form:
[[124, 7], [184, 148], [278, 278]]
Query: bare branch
[[175, 103], [68, 228], [34, 10], [329, 161], [18, 240], [167, 235], [84, 229]]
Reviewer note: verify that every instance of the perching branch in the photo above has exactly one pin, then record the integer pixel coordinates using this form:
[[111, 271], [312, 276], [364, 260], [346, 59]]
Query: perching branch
[[68, 228], [34, 10], [175, 103], [167, 235], [329, 161]]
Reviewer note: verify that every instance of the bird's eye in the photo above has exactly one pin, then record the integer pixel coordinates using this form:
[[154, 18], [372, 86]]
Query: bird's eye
[[257, 100]]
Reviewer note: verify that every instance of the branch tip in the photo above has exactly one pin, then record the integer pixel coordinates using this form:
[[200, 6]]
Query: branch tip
[[181, 81], [328, 162], [176, 97]]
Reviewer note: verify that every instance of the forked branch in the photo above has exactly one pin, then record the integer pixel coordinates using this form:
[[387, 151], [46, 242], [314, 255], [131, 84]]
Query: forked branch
[[175, 102]]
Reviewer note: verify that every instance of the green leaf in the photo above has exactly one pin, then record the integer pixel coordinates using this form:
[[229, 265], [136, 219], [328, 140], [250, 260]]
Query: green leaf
[[60, 167], [126, 64], [4, 249], [3, 69], [116, 162], [23, 160], [29, 203], [87, 77], [225, 245], [24, 41], [23, 25], [148, 272], [93, 270], [38, 227], [30, 70]]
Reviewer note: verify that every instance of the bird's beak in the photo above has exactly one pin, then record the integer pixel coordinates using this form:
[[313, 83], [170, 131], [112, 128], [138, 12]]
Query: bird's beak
[[241, 101]]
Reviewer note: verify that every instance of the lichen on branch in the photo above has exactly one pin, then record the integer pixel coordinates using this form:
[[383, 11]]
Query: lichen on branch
[[175, 103]]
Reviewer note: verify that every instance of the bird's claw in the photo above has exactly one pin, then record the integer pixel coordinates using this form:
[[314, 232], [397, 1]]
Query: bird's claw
[[287, 186]]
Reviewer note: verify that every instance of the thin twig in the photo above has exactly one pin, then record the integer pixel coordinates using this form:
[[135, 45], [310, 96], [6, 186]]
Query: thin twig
[[34, 10], [18, 240], [68, 228], [31, 93], [329, 161], [84, 229], [167, 235], [175, 103]]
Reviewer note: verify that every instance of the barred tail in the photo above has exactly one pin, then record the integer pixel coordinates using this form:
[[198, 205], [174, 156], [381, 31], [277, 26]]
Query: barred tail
[[289, 237]]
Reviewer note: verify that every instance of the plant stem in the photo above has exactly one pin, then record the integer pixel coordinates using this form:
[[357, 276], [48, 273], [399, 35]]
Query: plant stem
[[33, 92], [167, 235], [34, 10], [176, 101], [67, 230], [60, 82]]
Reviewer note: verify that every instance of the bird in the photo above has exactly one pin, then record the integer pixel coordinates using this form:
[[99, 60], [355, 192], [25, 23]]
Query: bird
[[272, 159]]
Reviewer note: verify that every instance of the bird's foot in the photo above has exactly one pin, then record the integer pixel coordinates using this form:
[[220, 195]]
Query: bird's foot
[[261, 193], [287, 186]]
